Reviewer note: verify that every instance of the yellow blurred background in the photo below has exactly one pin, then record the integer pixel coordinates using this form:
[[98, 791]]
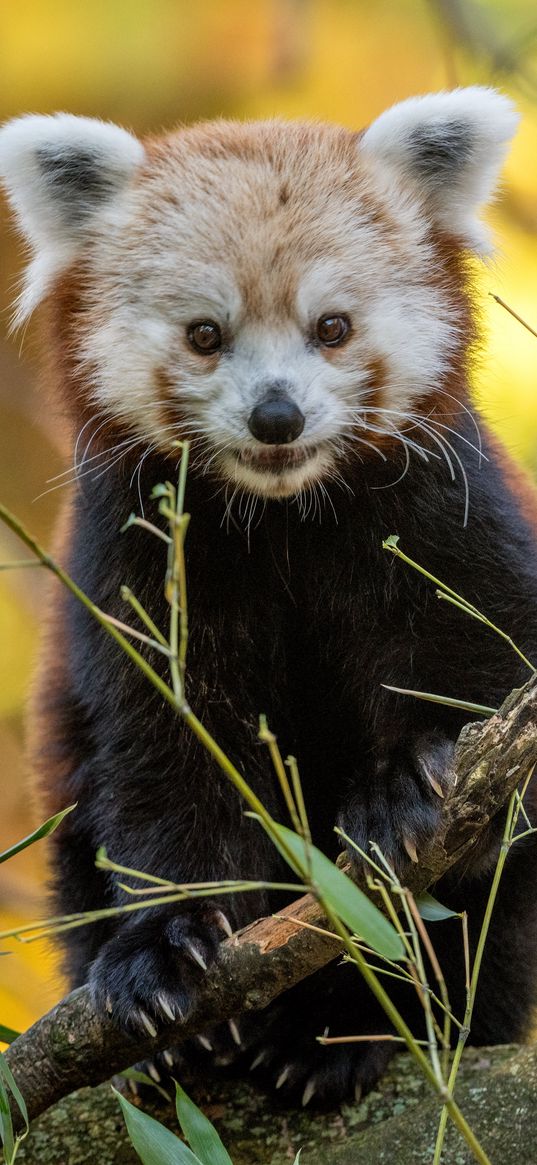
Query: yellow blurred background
[[149, 64]]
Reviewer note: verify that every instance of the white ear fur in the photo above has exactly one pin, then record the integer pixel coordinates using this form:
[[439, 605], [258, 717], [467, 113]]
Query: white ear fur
[[451, 147], [58, 172]]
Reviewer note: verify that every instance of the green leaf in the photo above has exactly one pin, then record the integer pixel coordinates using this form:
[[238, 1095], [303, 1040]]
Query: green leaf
[[390, 543], [447, 701], [43, 831], [341, 894], [297, 1158], [432, 910], [143, 1078], [154, 1144], [9, 1141], [8, 1034], [199, 1131], [160, 491], [6, 1125], [7, 1074]]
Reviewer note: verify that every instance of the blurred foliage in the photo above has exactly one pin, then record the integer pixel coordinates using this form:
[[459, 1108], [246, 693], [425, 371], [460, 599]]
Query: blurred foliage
[[153, 63]]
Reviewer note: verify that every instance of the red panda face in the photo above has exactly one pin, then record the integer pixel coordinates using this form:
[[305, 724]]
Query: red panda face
[[286, 295], [267, 296]]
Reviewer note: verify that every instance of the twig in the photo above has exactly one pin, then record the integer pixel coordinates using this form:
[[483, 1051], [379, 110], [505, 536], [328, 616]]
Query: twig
[[513, 313]]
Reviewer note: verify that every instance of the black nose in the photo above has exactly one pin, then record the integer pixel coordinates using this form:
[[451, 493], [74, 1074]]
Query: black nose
[[277, 420]]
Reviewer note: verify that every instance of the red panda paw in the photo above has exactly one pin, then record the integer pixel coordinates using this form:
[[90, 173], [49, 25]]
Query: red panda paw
[[146, 976], [397, 804]]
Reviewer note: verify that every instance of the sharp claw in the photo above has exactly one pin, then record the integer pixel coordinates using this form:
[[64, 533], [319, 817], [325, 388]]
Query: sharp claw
[[154, 1073], [223, 922], [165, 1007], [410, 849], [149, 1026], [168, 1059], [235, 1032], [109, 1005], [196, 954], [257, 1061], [133, 1087], [308, 1092], [205, 1043], [283, 1076], [433, 782], [357, 1092]]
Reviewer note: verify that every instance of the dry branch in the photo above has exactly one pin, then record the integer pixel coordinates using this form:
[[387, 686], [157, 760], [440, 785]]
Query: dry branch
[[73, 1046]]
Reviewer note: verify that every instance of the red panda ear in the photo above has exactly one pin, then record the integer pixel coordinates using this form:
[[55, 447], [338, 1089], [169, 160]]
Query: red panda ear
[[450, 146], [58, 172]]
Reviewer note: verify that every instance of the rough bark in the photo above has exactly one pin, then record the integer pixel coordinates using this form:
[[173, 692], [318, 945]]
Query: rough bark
[[73, 1046]]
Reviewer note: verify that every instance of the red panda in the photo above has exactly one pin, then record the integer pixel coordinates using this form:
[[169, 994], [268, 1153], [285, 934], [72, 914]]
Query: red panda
[[295, 299]]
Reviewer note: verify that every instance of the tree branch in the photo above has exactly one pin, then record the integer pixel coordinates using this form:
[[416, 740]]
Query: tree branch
[[73, 1046]]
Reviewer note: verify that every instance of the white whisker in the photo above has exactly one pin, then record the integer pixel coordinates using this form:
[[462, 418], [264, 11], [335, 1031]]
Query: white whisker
[[327, 498]]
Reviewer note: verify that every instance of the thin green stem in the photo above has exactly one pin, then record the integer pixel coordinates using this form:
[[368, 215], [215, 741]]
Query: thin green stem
[[472, 989], [21, 564], [181, 527], [48, 926], [145, 525], [299, 798], [394, 918], [425, 992], [447, 593], [172, 595], [20, 530], [391, 545], [425, 941], [146, 619], [139, 635], [385, 1036], [488, 623], [526, 833], [267, 737], [363, 854]]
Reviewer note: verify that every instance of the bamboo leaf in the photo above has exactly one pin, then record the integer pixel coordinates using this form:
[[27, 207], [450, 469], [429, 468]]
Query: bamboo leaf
[[9, 1079], [43, 831], [447, 701], [8, 1034], [342, 895], [7, 1084], [143, 1078], [154, 1144], [432, 910], [200, 1133], [6, 1125]]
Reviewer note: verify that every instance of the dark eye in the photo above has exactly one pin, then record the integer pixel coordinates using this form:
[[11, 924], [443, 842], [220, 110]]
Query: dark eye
[[331, 330], [205, 337]]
